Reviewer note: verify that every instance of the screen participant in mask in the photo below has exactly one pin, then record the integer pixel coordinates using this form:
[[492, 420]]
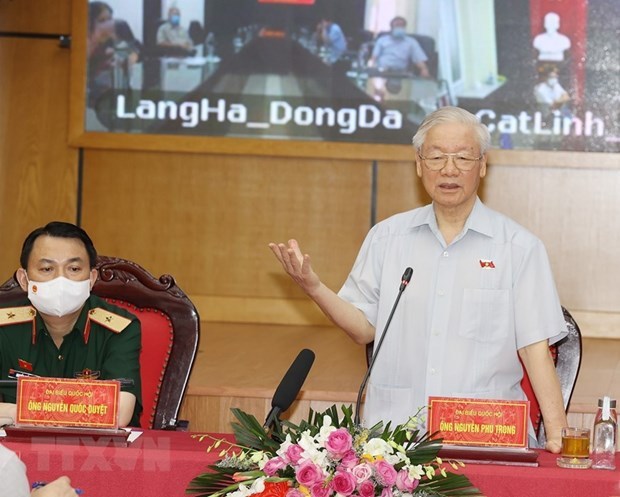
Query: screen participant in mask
[[549, 93], [172, 34], [61, 330], [396, 51]]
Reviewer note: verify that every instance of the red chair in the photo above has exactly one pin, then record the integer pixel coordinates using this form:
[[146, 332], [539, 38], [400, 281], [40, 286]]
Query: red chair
[[567, 358], [170, 332]]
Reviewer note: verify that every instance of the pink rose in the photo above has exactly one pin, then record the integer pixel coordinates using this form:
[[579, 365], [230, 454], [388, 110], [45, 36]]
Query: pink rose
[[274, 465], [294, 492], [386, 492], [349, 460], [308, 474], [343, 483], [366, 489], [320, 490], [362, 472], [339, 442], [404, 482], [293, 453], [386, 474]]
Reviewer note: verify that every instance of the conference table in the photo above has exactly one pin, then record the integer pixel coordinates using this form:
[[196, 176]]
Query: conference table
[[162, 463]]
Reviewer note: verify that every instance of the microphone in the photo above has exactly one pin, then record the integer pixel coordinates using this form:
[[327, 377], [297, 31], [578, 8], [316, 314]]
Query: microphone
[[290, 386], [404, 281]]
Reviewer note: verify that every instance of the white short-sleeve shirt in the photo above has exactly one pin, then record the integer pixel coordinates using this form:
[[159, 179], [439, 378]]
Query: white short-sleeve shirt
[[12, 475], [467, 310], [546, 94]]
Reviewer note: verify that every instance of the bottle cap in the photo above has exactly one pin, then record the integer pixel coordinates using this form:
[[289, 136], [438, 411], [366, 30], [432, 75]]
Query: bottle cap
[[612, 403]]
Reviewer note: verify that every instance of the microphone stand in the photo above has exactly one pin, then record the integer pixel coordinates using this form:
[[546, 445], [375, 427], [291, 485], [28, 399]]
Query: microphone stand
[[272, 418], [403, 284]]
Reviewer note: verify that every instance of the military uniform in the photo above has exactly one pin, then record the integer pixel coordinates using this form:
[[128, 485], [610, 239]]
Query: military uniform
[[104, 344]]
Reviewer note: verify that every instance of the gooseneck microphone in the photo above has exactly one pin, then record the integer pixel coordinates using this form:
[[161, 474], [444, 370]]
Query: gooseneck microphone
[[404, 281], [290, 386]]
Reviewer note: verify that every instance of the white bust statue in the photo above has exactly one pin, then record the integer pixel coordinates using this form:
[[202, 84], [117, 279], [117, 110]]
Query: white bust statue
[[551, 44]]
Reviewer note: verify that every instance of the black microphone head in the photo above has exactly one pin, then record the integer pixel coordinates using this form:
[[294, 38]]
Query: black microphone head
[[293, 380], [405, 279]]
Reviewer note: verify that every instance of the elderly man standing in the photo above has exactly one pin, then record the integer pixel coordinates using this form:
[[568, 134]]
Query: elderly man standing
[[481, 297]]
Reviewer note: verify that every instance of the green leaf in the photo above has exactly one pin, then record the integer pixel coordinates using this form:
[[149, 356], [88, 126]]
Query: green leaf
[[250, 433]]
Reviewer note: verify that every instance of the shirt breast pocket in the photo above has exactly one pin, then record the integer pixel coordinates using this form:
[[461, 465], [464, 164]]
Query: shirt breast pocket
[[485, 314]]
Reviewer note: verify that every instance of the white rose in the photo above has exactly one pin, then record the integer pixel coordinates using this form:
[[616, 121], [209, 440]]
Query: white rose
[[377, 447]]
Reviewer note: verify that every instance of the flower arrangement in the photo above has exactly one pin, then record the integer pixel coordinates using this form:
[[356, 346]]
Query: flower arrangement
[[328, 456]]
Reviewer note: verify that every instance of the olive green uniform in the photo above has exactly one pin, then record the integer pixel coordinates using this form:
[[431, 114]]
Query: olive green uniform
[[104, 344]]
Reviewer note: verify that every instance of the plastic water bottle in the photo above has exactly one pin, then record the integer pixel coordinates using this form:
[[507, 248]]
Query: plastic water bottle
[[121, 65], [605, 435]]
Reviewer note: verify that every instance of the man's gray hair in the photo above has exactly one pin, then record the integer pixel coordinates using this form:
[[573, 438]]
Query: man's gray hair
[[450, 115]]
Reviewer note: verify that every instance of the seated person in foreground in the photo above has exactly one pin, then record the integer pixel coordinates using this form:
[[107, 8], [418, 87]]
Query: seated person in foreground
[[482, 295], [63, 331], [172, 34], [15, 482], [396, 52]]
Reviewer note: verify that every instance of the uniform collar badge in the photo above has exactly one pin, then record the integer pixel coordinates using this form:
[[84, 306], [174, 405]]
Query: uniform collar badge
[[487, 264]]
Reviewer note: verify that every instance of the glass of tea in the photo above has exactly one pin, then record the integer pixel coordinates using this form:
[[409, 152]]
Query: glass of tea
[[575, 448]]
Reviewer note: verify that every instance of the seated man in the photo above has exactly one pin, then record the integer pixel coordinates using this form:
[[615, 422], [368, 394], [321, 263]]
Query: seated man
[[396, 52], [63, 331], [172, 34], [550, 95], [330, 36]]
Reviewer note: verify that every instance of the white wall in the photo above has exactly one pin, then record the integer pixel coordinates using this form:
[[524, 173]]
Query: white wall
[[131, 12], [379, 13]]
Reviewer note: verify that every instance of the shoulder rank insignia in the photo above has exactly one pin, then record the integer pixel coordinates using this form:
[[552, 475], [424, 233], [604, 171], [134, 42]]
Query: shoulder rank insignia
[[107, 319], [18, 315]]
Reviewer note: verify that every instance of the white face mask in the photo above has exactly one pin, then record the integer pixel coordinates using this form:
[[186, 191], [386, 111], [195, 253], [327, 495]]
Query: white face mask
[[552, 81], [58, 297]]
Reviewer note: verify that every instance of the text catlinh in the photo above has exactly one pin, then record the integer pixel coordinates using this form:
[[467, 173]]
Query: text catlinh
[[528, 124]]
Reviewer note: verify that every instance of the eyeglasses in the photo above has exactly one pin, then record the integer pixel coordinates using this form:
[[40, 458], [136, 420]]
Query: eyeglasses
[[439, 161]]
